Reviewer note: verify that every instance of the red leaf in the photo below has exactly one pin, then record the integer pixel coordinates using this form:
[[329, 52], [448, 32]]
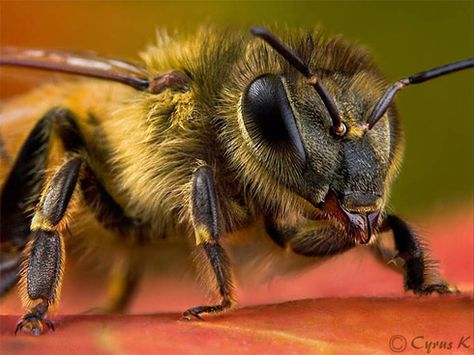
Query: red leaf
[[326, 326]]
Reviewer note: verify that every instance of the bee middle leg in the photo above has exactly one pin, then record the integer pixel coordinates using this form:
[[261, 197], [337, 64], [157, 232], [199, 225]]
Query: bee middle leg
[[411, 256], [127, 268], [42, 268], [207, 228]]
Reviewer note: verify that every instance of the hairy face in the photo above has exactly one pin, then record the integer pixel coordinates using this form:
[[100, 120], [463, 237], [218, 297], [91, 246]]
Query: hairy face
[[289, 131], [290, 147]]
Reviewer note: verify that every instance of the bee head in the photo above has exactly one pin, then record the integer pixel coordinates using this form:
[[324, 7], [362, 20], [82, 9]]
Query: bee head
[[311, 135]]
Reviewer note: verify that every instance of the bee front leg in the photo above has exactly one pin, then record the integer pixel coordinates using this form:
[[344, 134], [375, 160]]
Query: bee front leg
[[420, 271], [43, 266], [207, 228]]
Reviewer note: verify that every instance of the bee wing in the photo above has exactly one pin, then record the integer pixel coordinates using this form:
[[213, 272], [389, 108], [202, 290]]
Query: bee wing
[[81, 63]]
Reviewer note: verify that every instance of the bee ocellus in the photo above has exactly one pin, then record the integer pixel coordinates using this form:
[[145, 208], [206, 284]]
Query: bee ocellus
[[209, 134]]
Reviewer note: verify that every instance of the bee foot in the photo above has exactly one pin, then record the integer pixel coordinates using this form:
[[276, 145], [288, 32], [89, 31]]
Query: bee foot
[[192, 312], [197, 311], [34, 324], [441, 289]]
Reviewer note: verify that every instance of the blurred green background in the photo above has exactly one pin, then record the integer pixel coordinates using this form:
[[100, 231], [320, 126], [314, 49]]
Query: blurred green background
[[404, 37]]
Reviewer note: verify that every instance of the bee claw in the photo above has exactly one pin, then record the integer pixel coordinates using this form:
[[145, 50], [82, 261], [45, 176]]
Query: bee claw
[[50, 324], [191, 312], [18, 327], [33, 324], [441, 289], [198, 316]]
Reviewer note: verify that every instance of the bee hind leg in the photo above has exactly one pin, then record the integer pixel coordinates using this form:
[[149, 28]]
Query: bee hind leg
[[122, 284], [43, 266], [123, 281], [411, 255], [210, 254]]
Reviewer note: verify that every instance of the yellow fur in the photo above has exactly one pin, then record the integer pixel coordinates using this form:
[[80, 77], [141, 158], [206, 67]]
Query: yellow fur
[[202, 235], [40, 222]]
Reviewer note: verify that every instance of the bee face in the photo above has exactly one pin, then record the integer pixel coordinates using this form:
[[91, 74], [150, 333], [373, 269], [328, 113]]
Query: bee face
[[290, 133], [285, 120]]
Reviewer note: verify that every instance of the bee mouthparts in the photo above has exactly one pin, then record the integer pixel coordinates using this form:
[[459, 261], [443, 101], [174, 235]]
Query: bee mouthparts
[[360, 225]]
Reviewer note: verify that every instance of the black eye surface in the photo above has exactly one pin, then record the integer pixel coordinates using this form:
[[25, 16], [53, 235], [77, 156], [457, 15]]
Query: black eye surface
[[268, 116]]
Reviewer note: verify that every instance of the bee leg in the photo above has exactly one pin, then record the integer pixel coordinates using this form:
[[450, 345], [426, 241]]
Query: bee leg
[[420, 271], [127, 269], [106, 210], [23, 184], [4, 156], [43, 266], [33, 320], [207, 229], [308, 238], [9, 267], [124, 279], [21, 190]]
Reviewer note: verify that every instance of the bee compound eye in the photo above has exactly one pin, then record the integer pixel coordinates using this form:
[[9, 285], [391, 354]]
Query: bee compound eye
[[268, 116]]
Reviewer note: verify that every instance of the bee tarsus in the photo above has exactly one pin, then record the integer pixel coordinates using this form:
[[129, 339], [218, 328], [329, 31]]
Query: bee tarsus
[[420, 272], [33, 321], [197, 311]]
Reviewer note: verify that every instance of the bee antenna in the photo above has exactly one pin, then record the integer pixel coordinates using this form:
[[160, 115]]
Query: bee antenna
[[338, 127], [387, 98]]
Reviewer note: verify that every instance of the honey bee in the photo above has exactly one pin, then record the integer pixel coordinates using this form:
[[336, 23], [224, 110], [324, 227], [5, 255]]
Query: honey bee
[[212, 133]]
